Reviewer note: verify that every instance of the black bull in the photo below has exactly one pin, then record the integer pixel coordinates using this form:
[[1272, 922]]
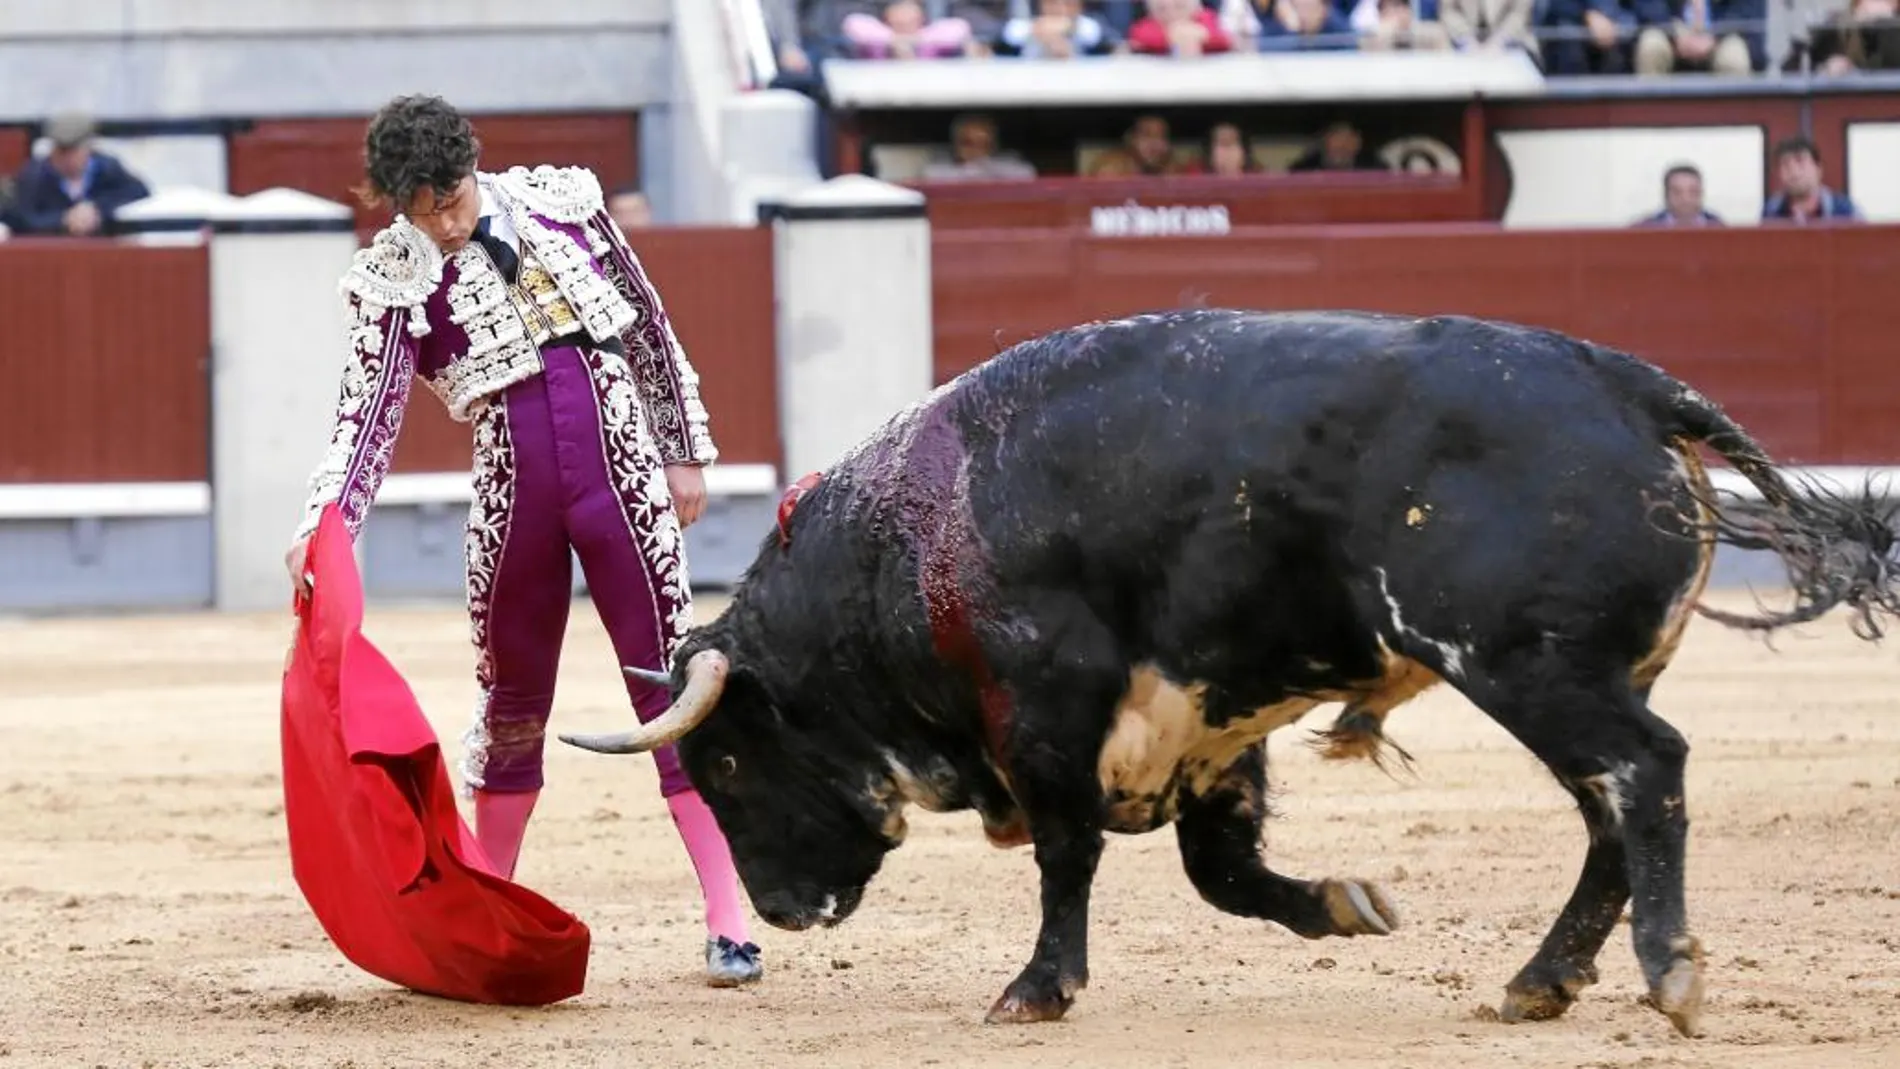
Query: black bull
[[1076, 588]]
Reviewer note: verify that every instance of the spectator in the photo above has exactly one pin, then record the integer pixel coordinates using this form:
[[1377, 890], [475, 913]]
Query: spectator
[[813, 31], [1340, 148], [1803, 195], [1118, 15], [75, 190], [1838, 46], [986, 17], [1242, 19], [1393, 26], [1697, 41], [629, 209], [1596, 35], [1180, 28], [1058, 30], [1146, 149], [903, 31], [1227, 153], [1490, 25], [1300, 25], [1682, 200], [973, 154], [785, 27]]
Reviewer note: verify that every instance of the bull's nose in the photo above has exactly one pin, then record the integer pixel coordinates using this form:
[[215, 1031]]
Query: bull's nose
[[781, 909], [797, 911]]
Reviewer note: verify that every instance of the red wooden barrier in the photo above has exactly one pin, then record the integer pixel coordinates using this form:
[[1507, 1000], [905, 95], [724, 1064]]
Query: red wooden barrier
[[106, 356], [1784, 326]]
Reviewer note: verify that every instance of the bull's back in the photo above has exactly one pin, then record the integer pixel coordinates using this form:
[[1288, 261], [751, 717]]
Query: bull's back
[[1182, 471], [1132, 430]]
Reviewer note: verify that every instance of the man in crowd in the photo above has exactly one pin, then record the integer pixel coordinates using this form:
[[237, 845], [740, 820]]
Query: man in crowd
[[75, 190], [1682, 200], [1803, 195]]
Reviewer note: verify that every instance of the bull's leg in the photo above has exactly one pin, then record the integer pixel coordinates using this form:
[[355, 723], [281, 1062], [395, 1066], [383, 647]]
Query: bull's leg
[[1056, 784], [1625, 766], [1566, 962], [1067, 851], [1219, 835]]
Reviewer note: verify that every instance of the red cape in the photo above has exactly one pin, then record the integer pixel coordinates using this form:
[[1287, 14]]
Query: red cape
[[376, 844]]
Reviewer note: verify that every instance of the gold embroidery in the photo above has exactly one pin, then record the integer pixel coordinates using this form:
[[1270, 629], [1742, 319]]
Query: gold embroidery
[[540, 302]]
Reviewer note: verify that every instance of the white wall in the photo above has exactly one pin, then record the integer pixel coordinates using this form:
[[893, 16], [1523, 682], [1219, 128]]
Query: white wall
[[27, 18], [142, 59], [1612, 177], [1870, 171]]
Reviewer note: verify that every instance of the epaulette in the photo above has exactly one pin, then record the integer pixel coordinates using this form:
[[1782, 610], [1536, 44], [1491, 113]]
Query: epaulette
[[564, 194], [399, 268]]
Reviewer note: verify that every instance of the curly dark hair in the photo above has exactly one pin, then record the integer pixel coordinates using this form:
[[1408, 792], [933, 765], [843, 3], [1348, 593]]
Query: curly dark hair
[[413, 143]]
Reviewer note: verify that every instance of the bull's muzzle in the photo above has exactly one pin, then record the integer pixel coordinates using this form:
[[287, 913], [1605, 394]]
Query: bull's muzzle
[[705, 680]]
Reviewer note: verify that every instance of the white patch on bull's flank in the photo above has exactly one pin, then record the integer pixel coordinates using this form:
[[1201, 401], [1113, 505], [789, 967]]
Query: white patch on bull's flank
[[830, 909], [1611, 790], [1453, 656], [1161, 728]]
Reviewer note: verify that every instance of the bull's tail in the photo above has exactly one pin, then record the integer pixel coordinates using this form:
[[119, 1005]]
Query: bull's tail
[[1838, 546]]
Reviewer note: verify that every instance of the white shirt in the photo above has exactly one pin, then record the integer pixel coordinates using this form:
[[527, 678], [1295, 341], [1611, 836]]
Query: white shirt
[[499, 224]]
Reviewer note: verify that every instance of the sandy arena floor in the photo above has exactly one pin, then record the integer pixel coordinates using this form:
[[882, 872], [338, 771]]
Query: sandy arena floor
[[148, 917]]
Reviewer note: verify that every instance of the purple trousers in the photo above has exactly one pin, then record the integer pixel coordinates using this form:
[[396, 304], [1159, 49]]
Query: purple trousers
[[564, 467]]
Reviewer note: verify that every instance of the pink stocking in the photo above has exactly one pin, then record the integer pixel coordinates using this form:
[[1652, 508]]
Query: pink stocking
[[501, 820], [712, 860]]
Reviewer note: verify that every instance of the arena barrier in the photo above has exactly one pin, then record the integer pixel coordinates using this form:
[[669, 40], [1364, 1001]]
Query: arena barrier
[[186, 388]]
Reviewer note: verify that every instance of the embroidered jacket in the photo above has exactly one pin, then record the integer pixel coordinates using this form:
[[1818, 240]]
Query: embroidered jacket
[[450, 321]]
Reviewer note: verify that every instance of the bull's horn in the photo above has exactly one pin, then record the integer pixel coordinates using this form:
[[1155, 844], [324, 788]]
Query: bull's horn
[[705, 679], [648, 675]]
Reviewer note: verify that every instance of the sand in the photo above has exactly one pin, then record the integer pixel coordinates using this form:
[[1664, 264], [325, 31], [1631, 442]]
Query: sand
[[148, 916]]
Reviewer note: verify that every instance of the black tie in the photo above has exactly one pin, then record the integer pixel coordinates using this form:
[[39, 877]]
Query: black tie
[[497, 248]]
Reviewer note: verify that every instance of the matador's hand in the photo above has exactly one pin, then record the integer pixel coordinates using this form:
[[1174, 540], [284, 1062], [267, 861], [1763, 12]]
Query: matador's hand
[[687, 483]]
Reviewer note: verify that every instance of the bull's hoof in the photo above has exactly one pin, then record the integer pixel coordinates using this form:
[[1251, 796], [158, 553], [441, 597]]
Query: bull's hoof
[[1679, 995], [1012, 1010], [1543, 992], [1031, 1000], [1005, 836], [1354, 907]]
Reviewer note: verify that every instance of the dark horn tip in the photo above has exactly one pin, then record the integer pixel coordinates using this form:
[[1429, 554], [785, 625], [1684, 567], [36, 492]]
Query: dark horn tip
[[649, 675], [597, 743]]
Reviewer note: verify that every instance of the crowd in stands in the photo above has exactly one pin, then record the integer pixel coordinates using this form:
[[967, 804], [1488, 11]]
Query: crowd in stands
[[1564, 37], [1148, 148]]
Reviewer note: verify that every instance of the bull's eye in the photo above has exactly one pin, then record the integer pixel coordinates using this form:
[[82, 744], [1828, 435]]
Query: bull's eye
[[729, 764]]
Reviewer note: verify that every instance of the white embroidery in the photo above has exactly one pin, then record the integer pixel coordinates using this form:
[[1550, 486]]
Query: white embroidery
[[634, 466], [603, 309], [372, 398], [500, 353], [489, 512], [400, 268], [667, 379], [563, 194]]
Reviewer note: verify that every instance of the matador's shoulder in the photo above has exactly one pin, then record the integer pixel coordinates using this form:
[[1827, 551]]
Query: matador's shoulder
[[564, 194], [399, 268]]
